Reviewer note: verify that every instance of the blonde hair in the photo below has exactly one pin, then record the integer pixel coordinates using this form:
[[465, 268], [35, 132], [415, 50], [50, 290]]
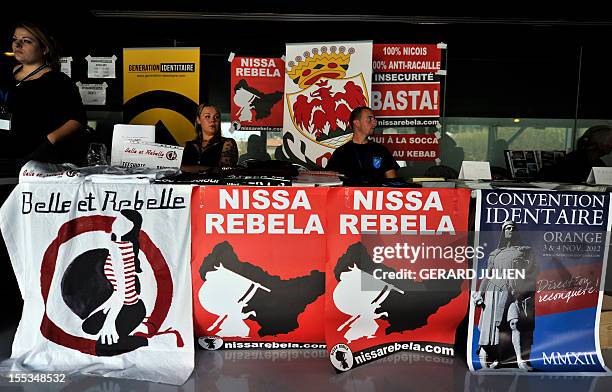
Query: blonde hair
[[198, 126]]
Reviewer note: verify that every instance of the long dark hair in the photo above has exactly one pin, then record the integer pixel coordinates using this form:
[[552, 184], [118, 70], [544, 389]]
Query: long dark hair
[[48, 44], [198, 126]]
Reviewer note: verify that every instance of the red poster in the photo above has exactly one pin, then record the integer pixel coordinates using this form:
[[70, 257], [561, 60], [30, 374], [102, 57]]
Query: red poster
[[257, 86], [395, 274], [405, 147], [258, 257], [405, 85]]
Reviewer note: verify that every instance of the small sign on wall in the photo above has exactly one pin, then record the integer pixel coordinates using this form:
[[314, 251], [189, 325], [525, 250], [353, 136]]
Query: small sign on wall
[[93, 93], [101, 67], [66, 65]]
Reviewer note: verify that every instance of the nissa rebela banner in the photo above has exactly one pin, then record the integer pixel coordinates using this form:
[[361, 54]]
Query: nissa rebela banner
[[258, 260], [395, 272], [538, 292], [257, 93]]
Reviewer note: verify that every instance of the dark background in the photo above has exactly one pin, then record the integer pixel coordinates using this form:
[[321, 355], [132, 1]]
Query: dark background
[[503, 64], [498, 66]]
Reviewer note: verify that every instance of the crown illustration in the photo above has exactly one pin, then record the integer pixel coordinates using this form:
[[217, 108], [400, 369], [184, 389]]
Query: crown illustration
[[326, 62]]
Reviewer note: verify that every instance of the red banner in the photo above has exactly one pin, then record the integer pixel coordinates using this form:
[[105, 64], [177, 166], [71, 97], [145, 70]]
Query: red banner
[[258, 257], [404, 147], [405, 85], [257, 86], [388, 289], [406, 58], [406, 100]]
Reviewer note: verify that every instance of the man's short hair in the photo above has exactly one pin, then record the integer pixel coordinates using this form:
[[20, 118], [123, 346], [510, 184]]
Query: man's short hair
[[356, 114]]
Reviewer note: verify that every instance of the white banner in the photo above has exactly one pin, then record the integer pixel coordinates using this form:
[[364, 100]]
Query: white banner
[[324, 82], [105, 277]]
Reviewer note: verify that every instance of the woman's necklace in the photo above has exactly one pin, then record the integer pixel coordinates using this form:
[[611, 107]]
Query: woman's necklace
[[28, 76]]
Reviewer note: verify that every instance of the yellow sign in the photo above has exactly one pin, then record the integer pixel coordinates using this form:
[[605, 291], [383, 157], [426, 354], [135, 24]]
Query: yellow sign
[[161, 86]]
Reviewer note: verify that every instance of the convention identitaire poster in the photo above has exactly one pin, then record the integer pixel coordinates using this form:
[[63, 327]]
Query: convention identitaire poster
[[545, 257]]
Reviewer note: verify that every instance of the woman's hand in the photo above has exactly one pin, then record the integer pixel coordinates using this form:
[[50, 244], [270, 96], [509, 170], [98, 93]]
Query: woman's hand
[[68, 128], [44, 152]]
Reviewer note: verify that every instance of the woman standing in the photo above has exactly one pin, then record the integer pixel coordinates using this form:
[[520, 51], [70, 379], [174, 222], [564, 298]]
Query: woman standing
[[45, 106], [209, 148]]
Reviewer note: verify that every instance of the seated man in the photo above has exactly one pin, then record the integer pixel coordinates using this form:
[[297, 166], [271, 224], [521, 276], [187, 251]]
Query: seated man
[[361, 159], [595, 143]]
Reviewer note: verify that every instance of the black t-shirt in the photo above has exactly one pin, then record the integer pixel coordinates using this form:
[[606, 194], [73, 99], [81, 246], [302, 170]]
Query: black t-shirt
[[575, 168], [40, 106], [368, 161]]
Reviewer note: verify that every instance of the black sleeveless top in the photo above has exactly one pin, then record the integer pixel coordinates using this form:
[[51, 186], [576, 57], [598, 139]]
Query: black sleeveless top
[[209, 156]]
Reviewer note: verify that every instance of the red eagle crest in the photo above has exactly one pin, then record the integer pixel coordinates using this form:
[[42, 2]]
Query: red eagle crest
[[325, 113]]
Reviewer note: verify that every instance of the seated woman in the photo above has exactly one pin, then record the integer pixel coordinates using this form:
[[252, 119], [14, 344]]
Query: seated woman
[[594, 144], [209, 149]]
